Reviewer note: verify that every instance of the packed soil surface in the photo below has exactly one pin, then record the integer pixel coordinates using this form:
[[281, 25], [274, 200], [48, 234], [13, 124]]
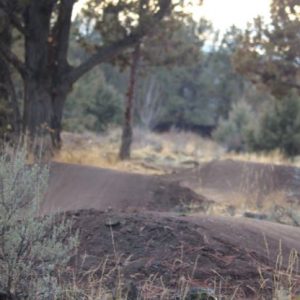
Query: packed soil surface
[[133, 225], [73, 187], [161, 250], [254, 181]]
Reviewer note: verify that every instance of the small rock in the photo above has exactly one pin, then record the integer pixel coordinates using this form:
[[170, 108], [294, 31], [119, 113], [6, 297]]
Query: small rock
[[190, 163], [109, 209], [112, 222], [200, 294], [256, 216]]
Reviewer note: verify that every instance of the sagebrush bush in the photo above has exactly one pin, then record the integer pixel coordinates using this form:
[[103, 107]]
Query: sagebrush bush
[[32, 248]]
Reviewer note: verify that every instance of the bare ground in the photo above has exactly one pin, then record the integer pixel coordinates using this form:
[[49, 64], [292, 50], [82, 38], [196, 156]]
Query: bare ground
[[253, 180], [133, 221], [73, 187]]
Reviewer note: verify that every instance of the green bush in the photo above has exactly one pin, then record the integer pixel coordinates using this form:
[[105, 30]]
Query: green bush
[[93, 105], [232, 133], [32, 248], [278, 128]]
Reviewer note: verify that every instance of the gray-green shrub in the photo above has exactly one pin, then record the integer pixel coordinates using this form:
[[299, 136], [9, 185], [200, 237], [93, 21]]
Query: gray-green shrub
[[278, 128], [32, 248], [93, 105], [232, 133]]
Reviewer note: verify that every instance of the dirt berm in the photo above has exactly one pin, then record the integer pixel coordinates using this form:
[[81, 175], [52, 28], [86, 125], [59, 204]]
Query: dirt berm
[[160, 249], [254, 181], [73, 187]]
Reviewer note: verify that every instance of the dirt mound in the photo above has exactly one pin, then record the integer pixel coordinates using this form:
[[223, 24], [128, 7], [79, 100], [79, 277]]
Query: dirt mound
[[162, 250], [73, 187], [249, 177], [128, 226], [255, 180]]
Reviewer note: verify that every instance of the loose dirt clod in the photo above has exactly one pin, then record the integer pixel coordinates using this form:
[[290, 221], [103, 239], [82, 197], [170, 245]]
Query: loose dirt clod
[[112, 222]]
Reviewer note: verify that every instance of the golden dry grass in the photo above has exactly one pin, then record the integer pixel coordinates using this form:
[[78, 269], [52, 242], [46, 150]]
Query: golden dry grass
[[99, 151], [274, 157], [150, 152], [165, 149]]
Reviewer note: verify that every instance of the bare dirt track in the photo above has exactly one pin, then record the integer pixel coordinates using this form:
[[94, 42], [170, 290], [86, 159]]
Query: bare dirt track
[[255, 181], [74, 187], [132, 219]]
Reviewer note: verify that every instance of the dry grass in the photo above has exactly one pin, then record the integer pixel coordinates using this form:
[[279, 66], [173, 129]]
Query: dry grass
[[108, 282], [92, 284], [274, 157], [151, 153], [166, 149], [99, 151], [286, 280], [273, 208]]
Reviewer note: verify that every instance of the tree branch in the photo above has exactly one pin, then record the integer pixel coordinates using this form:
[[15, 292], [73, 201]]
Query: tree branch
[[292, 84], [106, 53], [287, 83], [13, 19], [17, 24], [13, 59], [61, 31], [103, 54], [9, 86]]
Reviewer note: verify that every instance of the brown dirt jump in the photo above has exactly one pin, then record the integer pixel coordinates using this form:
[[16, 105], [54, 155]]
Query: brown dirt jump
[[254, 180], [149, 240], [73, 187]]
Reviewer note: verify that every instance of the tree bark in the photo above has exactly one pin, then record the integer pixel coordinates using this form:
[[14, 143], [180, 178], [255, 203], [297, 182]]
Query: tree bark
[[9, 100], [46, 59], [9, 111], [127, 124], [42, 117]]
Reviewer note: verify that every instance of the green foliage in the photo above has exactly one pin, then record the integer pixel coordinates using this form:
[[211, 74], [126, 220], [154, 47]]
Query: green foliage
[[93, 104], [233, 132], [177, 42], [32, 248], [108, 23], [269, 53], [191, 92], [275, 127], [279, 128], [164, 57], [199, 94]]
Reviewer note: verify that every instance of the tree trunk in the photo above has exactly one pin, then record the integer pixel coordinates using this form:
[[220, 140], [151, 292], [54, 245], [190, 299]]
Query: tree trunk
[[127, 124], [9, 109], [9, 104], [58, 103], [43, 117], [44, 85]]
